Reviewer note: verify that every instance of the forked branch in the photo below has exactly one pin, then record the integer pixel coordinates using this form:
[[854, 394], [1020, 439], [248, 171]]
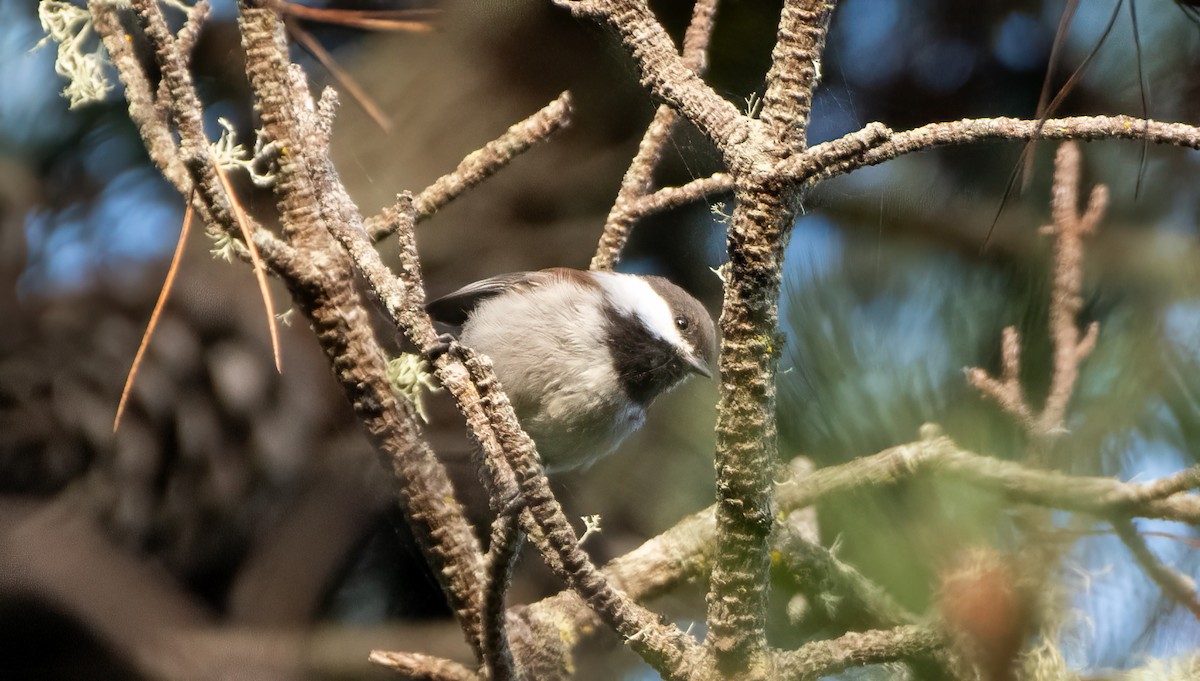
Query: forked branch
[[1068, 229]]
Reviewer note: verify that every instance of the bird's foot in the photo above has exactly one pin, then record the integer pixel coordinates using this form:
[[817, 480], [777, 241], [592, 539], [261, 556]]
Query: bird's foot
[[445, 343]]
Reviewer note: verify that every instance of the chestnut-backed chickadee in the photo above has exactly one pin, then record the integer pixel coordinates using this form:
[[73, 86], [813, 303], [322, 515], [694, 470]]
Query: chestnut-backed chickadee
[[582, 354]]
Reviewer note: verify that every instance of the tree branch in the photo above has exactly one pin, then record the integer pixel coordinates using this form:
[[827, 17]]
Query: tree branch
[[746, 431], [665, 75], [855, 649], [1069, 228], [803, 169], [668, 198], [153, 123], [479, 165], [310, 196], [637, 181], [685, 552], [795, 70], [193, 150], [1179, 587], [973, 130], [503, 549], [419, 667]]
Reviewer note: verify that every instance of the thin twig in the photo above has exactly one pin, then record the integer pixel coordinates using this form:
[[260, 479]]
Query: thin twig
[[478, 165], [974, 130], [856, 649], [505, 546], [637, 180], [808, 163], [189, 34], [668, 198], [1006, 391], [418, 667], [1069, 228], [342, 76], [1179, 587]]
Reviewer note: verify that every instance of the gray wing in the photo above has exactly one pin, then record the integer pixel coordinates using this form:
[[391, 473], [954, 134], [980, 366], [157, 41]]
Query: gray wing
[[454, 308]]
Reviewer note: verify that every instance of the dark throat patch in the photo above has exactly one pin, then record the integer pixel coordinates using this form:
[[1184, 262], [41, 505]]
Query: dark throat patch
[[646, 365]]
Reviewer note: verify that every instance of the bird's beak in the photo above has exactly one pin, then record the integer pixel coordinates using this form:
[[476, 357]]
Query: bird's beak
[[698, 365]]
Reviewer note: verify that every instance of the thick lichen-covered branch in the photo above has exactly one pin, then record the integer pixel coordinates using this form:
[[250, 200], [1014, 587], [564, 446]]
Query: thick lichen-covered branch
[[746, 428], [746, 432], [795, 70], [308, 196]]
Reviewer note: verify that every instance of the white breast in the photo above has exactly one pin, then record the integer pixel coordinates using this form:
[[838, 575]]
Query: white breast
[[555, 367]]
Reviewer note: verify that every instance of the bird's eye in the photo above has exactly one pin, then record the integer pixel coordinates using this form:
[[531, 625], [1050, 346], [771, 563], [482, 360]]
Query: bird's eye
[[681, 323]]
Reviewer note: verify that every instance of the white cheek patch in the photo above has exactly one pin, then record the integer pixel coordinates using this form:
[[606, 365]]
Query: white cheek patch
[[633, 296]]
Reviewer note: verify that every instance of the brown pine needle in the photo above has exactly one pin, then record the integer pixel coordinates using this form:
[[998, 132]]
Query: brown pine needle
[[163, 294], [313, 47], [260, 270], [382, 20]]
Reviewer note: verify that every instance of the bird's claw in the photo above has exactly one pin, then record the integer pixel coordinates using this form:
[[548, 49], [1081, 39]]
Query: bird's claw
[[444, 344]]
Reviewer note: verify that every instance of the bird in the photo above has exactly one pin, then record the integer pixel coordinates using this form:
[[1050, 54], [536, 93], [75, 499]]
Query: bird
[[582, 354]]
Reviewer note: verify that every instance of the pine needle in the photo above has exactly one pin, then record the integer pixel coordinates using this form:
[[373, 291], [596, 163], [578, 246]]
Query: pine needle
[[1045, 111], [260, 270], [163, 294], [313, 47], [411, 20]]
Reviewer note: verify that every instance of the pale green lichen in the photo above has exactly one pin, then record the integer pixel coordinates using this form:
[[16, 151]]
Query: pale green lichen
[[230, 154], [81, 58], [71, 28], [591, 525], [225, 246], [722, 272], [1177, 669], [410, 378]]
